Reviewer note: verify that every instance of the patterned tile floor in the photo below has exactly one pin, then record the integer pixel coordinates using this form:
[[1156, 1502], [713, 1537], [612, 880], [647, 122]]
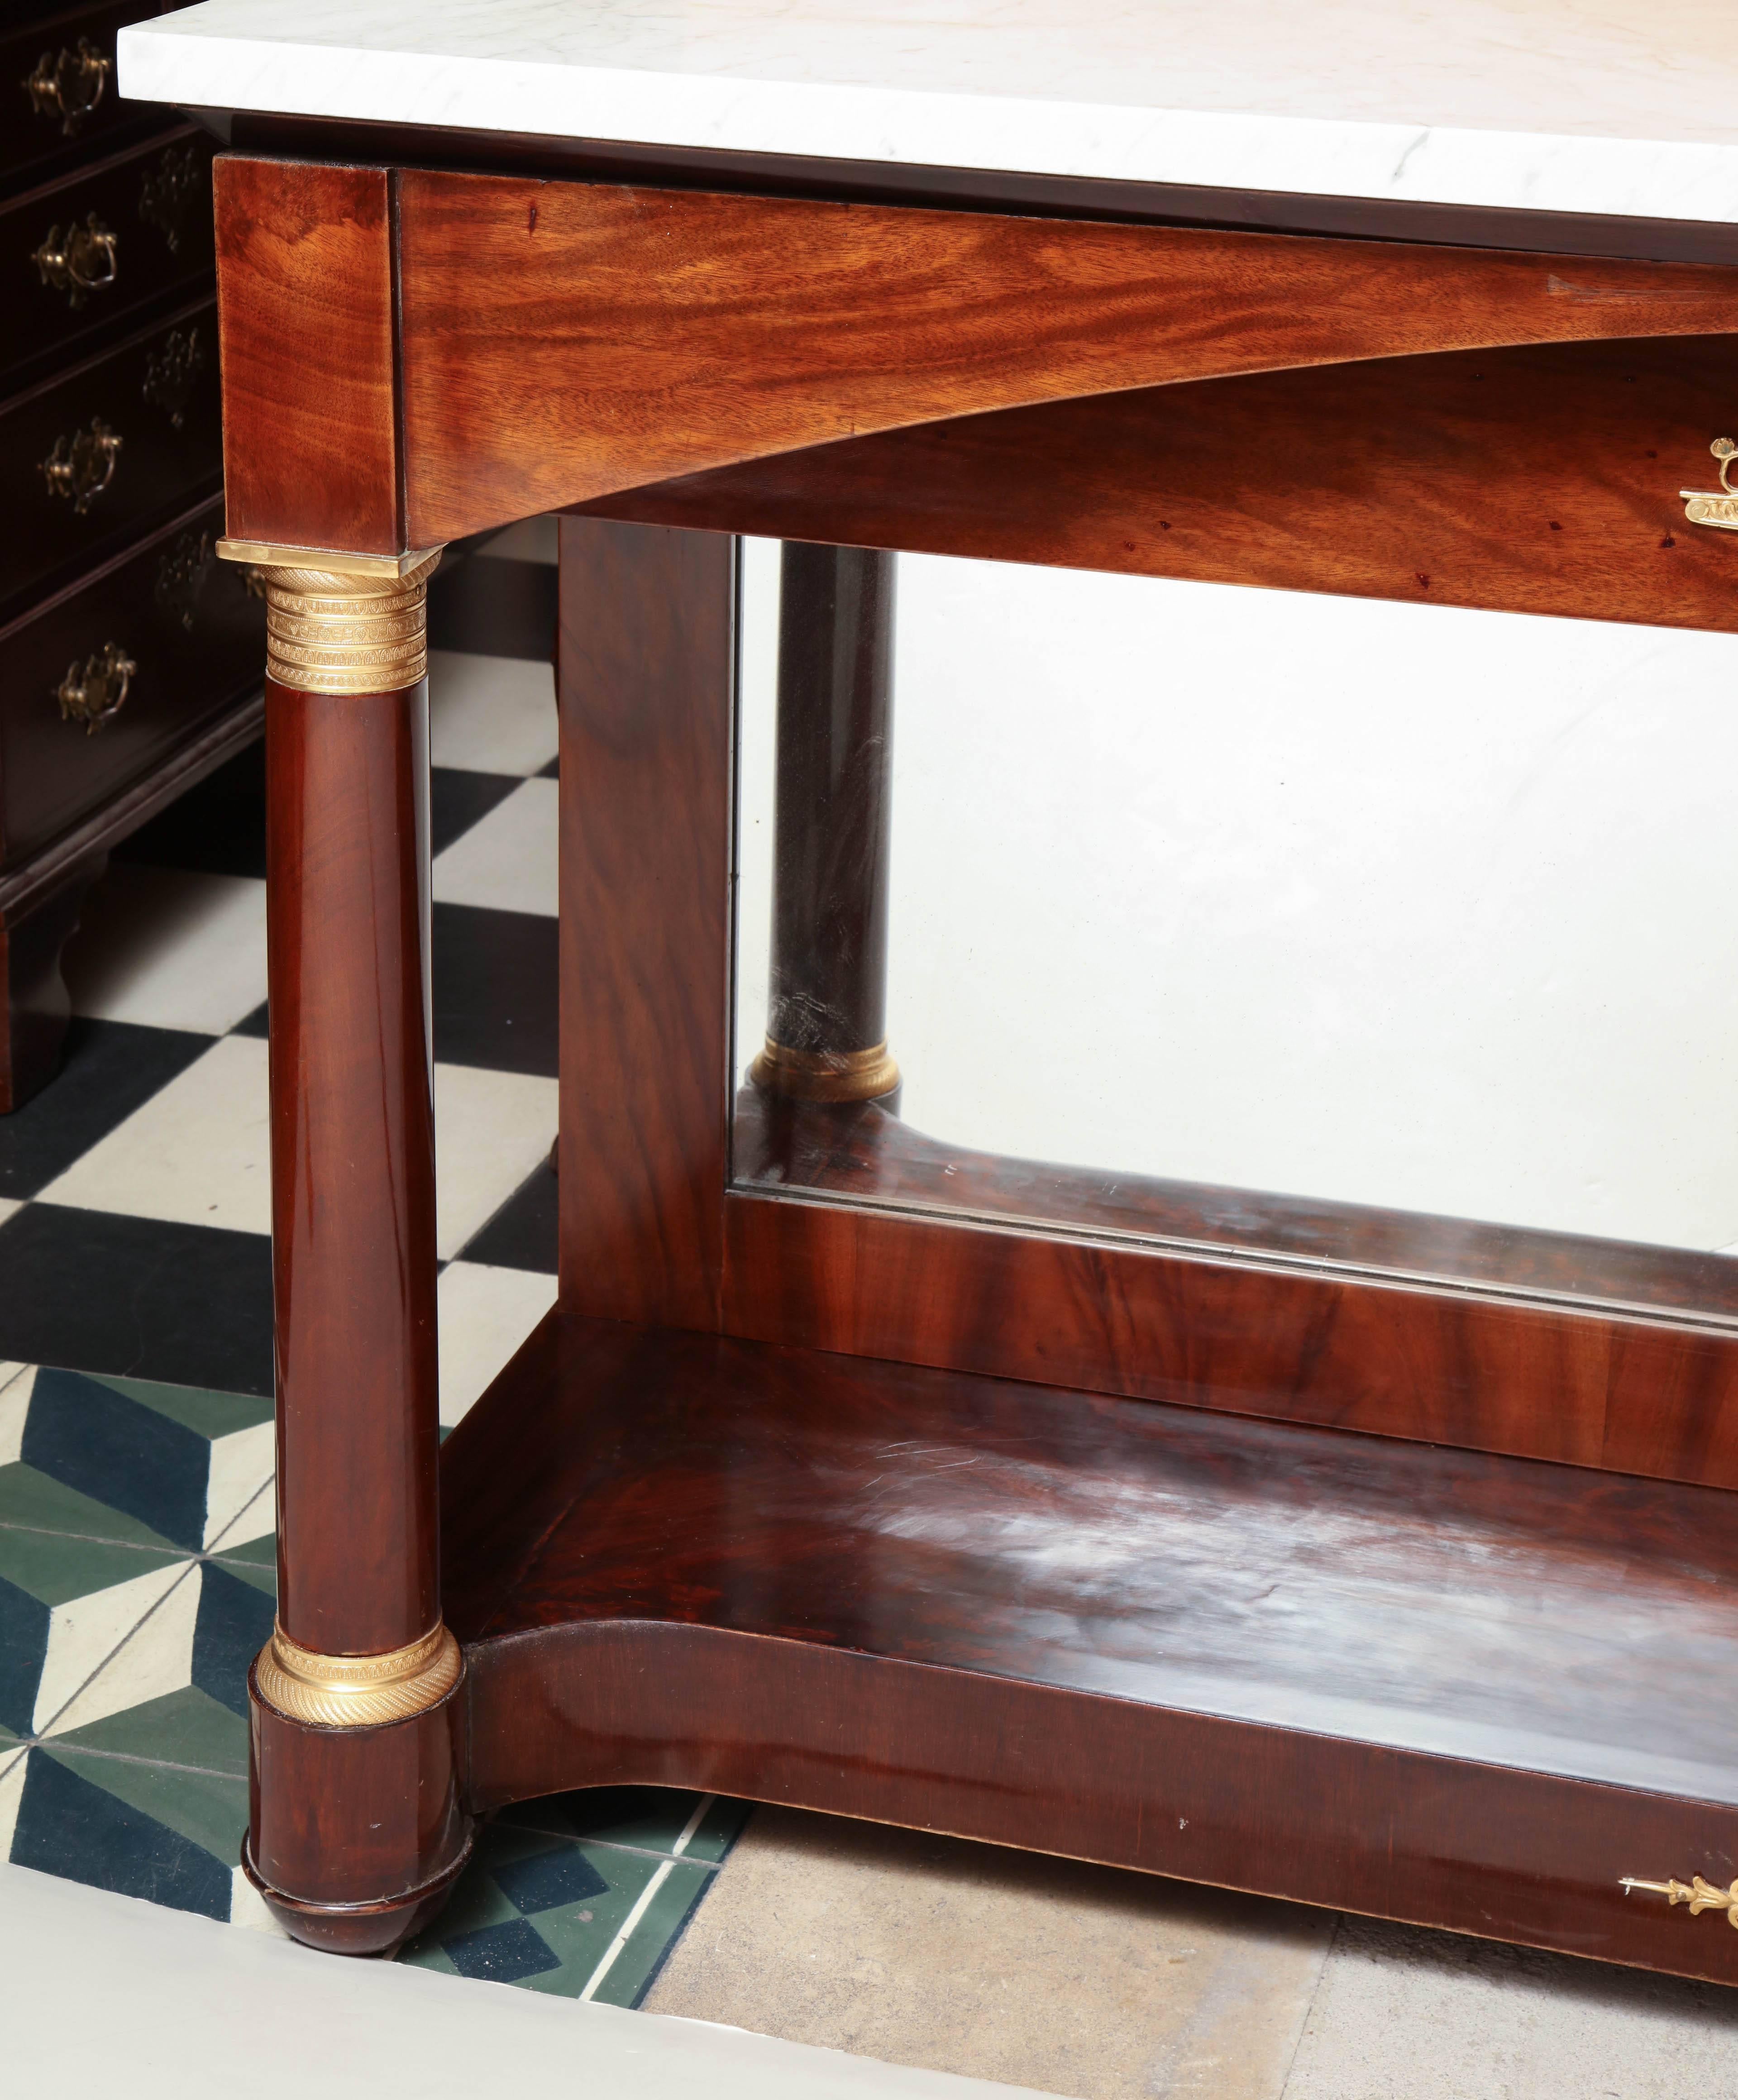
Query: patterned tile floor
[[136, 1514]]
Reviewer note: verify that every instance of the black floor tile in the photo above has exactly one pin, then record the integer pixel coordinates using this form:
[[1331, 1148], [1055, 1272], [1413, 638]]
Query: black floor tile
[[495, 608], [521, 1234], [216, 828], [496, 999], [111, 1068], [98, 1291], [258, 1023], [459, 800], [552, 771]]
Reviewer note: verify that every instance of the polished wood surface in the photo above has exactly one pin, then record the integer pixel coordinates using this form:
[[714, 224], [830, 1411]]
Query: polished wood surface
[[562, 340], [858, 1150], [1439, 1685], [35, 1005], [353, 1166], [305, 292], [356, 1835], [646, 654], [1538, 480], [833, 811]]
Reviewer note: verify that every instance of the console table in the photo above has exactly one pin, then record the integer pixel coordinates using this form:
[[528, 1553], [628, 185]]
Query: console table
[[1353, 1557]]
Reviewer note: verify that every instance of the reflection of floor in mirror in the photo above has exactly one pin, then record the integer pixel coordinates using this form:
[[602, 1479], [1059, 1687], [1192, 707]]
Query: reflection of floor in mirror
[[136, 1579]]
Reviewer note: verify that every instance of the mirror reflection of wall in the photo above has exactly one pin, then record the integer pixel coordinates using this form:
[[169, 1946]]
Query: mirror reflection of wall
[[1391, 904]]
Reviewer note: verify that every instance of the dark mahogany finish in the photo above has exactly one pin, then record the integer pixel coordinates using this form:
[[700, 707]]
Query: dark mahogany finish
[[1432, 1684], [562, 340], [35, 1005], [305, 292], [646, 758], [856, 1149], [1537, 480], [1003, 1547], [834, 813], [356, 1835], [353, 1162]]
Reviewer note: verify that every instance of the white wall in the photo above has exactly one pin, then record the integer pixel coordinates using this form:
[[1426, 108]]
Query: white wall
[[1393, 903]]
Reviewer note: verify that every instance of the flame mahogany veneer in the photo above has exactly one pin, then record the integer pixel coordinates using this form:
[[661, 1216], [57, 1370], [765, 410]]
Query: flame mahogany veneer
[[1351, 1564]]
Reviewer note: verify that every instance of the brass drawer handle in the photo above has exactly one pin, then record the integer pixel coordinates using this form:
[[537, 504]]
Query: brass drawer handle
[[69, 87], [169, 373], [95, 692], [81, 262], [82, 467]]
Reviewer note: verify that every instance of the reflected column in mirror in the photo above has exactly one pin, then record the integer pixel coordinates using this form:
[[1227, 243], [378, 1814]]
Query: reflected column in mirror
[[826, 1007]]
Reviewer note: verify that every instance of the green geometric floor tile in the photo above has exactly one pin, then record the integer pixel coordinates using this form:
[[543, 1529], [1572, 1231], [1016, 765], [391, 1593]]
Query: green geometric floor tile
[[182, 1463], [207, 1809], [145, 1830], [55, 1568], [679, 1887], [40, 1503], [544, 1913], [257, 1562], [208, 1414], [187, 1726], [652, 1818]]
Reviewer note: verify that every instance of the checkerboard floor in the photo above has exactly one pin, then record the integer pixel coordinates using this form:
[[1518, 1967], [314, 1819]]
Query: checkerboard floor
[[136, 1514]]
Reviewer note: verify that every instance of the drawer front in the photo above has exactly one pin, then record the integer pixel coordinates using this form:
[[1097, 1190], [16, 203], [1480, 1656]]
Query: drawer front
[[57, 79], [80, 255], [196, 638], [93, 459]]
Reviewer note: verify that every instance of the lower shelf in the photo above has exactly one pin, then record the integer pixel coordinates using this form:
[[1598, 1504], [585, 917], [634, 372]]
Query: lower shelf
[[1464, 1691]]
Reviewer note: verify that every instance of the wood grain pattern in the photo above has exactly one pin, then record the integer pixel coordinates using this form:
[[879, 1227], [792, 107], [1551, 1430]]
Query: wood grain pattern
[[305, 303], [1538, 480], [1318, 1666], [647, 652], [1422, 1361], [352, 1167], [859, 1150], [562, 340], [356, 1835]]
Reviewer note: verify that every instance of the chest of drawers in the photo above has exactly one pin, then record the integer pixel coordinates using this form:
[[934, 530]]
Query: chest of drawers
[[128, 665]]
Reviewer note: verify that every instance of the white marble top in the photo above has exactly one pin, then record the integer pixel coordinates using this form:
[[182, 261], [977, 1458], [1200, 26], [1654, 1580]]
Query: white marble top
[[1621, 106]]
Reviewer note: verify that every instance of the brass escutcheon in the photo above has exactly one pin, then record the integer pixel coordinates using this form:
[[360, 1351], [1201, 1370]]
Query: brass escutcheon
[[69, 86], [181, 576], [1699, 1895], [80, 262], [95, 691], [170, 371], [82, 467], [169, 188]]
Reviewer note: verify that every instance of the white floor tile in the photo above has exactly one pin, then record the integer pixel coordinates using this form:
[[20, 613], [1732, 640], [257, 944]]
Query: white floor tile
[[247, 1906], [508, 861], [88, 1640], [197, 1153], [17, 1382], [485, 1313], [490, 714], [170, 949], [491, 1129], [531, 539], [236, 1510]]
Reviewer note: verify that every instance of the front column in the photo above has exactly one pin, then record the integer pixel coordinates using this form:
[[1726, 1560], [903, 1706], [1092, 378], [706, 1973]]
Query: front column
[[356, 1830], [832, 821]]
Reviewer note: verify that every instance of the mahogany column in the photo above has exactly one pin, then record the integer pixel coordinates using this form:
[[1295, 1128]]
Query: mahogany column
[[826, 1022], [356, 1831]]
